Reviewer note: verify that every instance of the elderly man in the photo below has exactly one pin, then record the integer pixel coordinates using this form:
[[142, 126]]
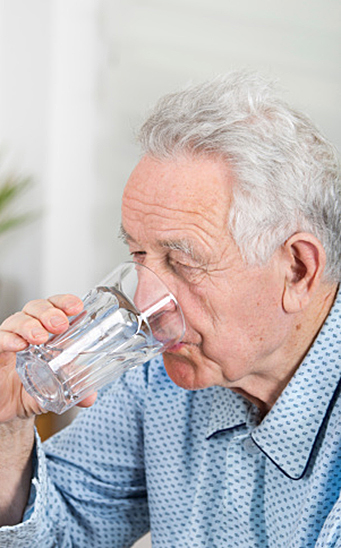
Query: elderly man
[[232, 439]]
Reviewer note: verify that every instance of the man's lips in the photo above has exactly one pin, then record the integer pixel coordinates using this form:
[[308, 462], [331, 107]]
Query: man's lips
[[178, 346]]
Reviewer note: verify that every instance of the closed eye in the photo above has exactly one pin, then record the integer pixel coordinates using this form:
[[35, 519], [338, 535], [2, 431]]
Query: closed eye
[[191, 273], [138, 256]]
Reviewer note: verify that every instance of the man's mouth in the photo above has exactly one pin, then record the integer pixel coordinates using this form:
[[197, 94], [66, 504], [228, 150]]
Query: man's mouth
[[178, 346]]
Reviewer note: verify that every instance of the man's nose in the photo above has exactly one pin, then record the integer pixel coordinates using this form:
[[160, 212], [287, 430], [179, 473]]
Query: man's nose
[[164, 274], [158, 306]]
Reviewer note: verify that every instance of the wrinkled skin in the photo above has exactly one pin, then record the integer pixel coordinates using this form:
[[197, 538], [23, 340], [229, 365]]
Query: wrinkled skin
[[243, 323]]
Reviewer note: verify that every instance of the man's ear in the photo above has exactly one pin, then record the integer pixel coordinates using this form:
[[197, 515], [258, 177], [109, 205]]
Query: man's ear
[[305, 263]]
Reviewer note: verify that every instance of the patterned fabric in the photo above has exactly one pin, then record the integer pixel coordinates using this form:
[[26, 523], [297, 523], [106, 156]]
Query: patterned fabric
[[196, 468]]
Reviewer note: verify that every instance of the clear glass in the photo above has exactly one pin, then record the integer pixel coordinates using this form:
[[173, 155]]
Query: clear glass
[[128, 318]]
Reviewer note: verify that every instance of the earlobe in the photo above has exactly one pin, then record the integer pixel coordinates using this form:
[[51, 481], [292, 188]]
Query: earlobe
[[306, 260]]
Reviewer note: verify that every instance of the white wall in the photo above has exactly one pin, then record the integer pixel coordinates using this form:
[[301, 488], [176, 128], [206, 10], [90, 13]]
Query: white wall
[[24, 62], [77, 76]]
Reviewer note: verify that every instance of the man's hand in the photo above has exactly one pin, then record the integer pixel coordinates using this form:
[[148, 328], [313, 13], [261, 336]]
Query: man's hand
[[32, 325]]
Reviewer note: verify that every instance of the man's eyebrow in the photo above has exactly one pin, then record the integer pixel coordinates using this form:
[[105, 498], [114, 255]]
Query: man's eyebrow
[[124, 236], [183, 245]]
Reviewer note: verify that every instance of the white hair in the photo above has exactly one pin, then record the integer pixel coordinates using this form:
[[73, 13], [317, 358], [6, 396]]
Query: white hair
[[287, 173]]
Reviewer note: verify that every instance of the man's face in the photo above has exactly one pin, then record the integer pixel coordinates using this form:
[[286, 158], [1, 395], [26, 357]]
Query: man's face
[[175, 218]]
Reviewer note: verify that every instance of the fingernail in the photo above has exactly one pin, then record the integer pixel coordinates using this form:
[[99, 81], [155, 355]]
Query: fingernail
[[72, 304], [57, 321], [16, 346], [37, 333]]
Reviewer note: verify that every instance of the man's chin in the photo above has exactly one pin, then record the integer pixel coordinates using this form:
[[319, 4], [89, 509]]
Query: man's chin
[[182, 371]]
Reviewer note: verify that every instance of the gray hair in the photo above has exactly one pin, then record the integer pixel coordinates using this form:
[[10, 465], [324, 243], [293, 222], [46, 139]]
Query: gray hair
[[287, 173]]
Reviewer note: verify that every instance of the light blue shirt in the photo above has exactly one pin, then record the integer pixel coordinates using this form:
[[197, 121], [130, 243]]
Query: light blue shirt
[[196, 468]]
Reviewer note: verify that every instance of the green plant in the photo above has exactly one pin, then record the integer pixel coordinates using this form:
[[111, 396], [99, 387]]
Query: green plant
[[11, 188]]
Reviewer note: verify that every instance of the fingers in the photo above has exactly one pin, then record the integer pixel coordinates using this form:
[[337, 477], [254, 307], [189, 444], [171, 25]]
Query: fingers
[[37, 320], [53, 313], [10, 342], [88, 401], [69, 303], [25, 327]]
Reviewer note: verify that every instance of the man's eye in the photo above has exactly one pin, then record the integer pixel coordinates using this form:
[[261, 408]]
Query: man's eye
[[184, 266], [189, 272], [138, 256]]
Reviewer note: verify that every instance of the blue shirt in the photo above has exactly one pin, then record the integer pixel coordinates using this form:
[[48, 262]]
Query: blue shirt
[[196, 468]]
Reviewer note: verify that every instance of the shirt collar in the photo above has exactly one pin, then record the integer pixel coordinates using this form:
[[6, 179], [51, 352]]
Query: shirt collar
[[228, 410], [288, 433]]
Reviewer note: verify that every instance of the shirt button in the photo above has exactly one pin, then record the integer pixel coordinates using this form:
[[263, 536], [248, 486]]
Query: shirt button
[[250, 446]]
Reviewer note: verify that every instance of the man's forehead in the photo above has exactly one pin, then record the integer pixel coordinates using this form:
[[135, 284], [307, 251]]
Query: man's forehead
[[198, 179], [177, 204]]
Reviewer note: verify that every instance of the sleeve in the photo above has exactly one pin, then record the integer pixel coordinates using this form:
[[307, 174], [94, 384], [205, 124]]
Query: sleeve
[[90, 486]]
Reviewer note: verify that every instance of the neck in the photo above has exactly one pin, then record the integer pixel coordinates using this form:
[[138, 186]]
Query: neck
[[263, 390]]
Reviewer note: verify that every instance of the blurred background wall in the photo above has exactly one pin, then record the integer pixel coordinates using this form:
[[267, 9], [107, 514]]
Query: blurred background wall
[[78, 76]]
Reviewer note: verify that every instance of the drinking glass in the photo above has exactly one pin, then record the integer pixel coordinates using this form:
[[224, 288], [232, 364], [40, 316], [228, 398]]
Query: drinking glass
[[127, 319]]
